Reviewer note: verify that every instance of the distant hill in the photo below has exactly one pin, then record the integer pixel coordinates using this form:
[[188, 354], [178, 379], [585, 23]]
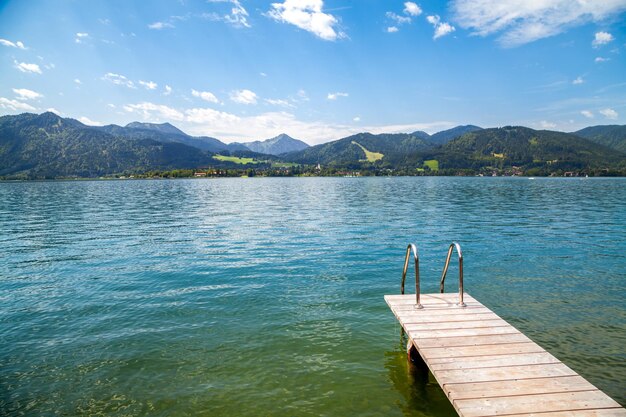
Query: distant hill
[[166, 132], [478, 149], [527, 148], [613, 136], [395, 148], [162, 128], [48, 146], [421, 134], [275, 146], [445, 136]]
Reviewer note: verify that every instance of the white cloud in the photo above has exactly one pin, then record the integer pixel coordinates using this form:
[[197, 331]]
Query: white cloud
[[519, 22], [262, 74], [334, 96], [81, 37], [602, 38], [181, 18], [441, 28], [77, 81], [87, 121], [24, 67], [8, 43], [412, 9], [587, 114], [278, 102], [55, 111], [302, 95], [238, 16], [151, 111], [601, 59], [307, 15], [578, 80], [150, 85], [168, 90], [230, 127], [205, 95], [547, 125], [243, 97], [356, 119], [433, 20], [212, 117], [399, 19], [15, 105], [160, 25], [609, 113], [118, 79], [25, 94], [212, 16]]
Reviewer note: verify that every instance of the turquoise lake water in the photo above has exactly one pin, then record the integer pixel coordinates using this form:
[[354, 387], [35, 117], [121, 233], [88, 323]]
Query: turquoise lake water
[[254, 297]]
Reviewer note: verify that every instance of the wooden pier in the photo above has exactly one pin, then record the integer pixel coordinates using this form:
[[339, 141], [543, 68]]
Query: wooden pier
[[486, 367]]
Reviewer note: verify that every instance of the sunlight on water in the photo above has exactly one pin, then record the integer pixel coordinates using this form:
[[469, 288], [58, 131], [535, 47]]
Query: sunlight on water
[[265, 296]]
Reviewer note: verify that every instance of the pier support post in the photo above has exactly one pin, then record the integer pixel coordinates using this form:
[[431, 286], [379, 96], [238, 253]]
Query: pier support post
[[414, 357]]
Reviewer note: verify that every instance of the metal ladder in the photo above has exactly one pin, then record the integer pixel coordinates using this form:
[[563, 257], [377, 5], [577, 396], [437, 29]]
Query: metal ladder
[[411, 248]]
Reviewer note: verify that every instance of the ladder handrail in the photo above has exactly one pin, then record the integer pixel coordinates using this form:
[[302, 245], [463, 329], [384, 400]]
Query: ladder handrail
[[454, 245], [412, 248]]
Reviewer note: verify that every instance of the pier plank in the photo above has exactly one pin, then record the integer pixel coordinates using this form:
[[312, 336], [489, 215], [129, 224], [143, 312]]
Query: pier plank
[[495, 339], [604, 412], [495, 361], [487, 367], [437, 305], [465, 351], [505, 373], [539, 403], [416, 318], [446, 311], [572, 383], [472, 324], [456, 333]]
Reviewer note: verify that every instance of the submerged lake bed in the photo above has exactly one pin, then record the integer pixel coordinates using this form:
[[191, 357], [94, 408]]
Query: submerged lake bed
[[264, 296]]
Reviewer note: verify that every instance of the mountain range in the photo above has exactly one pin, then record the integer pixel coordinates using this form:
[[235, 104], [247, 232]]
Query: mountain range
[[49, 146], [445, 136], [353, 150], [165, 132], [612, 136], [276, 146], [537, 152]]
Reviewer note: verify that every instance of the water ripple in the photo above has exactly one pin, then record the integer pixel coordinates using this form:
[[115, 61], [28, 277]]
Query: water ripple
[[264, 296]]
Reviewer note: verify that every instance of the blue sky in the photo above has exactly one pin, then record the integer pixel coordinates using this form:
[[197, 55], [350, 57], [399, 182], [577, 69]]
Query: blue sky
[[317, 70]]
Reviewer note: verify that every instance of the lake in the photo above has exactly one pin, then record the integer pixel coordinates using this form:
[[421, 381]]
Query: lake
[[264, 296]]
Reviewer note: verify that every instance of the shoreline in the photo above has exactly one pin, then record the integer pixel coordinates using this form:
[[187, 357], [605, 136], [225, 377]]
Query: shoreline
[[86, 179]]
